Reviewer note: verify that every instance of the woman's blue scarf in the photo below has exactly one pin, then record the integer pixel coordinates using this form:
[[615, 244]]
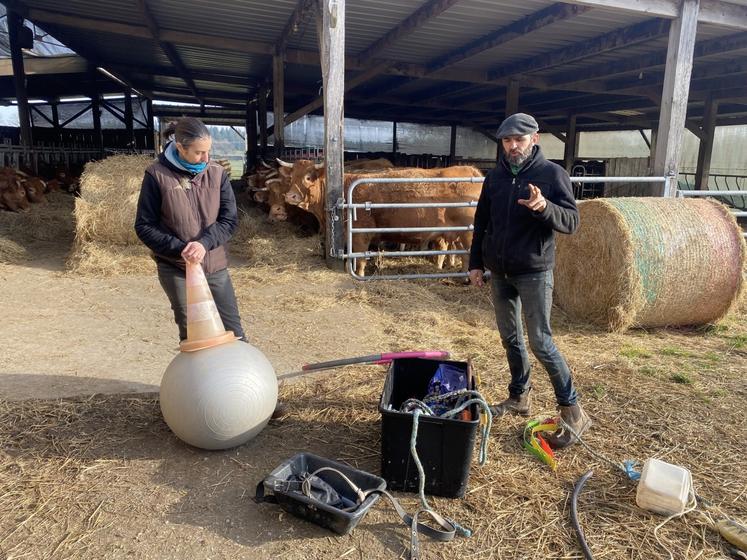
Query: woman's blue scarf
[[172, 154]]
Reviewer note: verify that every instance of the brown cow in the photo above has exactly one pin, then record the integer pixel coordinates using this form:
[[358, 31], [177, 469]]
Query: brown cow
[[363, 164], [12, 194], [308, 186], [279, 209], [35, 189]]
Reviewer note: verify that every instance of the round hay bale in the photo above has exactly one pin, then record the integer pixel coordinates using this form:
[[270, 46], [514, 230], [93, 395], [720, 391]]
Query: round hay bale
[[109, 190], [650, 262]]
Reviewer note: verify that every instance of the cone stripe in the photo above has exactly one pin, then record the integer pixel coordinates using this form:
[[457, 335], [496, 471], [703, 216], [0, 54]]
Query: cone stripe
[[202, 311]]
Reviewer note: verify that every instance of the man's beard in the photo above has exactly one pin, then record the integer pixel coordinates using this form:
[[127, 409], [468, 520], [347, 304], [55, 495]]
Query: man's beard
[[521, 157]]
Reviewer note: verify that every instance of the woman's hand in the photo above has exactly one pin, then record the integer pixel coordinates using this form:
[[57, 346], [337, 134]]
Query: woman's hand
[[194, 252]]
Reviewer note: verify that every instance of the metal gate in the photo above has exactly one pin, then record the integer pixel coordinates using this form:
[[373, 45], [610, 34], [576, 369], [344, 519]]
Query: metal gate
[[717, 195], [351, 258]]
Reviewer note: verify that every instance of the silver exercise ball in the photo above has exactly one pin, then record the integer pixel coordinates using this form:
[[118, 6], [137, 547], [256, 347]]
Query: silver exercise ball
[[219, 397]]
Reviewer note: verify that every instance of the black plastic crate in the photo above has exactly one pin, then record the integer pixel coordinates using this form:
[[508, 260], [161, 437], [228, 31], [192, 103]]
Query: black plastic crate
[[444, 445], [320, 513]]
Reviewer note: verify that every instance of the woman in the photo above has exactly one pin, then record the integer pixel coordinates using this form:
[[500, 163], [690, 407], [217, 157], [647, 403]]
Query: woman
[[187, 212]]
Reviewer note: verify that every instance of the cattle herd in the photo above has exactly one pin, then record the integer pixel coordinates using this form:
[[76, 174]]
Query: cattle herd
[[296, 192], [19, 188]]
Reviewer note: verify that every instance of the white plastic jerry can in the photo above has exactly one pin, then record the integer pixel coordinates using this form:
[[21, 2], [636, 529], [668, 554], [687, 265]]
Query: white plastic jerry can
[[664, 488]]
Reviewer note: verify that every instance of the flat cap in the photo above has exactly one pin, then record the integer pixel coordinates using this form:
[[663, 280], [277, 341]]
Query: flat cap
[[517, 124]]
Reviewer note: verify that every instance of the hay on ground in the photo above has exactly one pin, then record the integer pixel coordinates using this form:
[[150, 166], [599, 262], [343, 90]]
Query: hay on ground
[[12, 253], [48, 221], [650, 262], [97, 259]]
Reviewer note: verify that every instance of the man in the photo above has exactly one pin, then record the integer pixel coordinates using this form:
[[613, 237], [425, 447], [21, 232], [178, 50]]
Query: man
[[524, 199]]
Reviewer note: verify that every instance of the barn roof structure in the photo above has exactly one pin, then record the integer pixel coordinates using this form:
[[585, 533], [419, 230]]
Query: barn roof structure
[[439, 61]]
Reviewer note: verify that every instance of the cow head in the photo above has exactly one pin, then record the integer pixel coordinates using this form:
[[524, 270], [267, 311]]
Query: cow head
[[34, 188], [278, 187], [305, 177], [13, 195]]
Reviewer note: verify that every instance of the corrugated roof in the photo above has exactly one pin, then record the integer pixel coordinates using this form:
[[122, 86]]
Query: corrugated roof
[[217, 69]]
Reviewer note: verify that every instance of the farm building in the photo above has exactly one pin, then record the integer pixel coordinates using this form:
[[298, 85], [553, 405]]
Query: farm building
[[643, 103]]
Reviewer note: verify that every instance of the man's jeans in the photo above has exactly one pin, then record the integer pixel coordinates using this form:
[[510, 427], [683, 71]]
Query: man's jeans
[[173, 281], [534, 291]]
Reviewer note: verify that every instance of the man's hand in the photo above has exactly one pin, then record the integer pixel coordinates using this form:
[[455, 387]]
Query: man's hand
[[194, 252], [475, 277], [536, 202]]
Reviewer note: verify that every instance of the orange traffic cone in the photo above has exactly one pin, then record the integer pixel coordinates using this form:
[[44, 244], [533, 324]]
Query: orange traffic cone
[[204, 326]]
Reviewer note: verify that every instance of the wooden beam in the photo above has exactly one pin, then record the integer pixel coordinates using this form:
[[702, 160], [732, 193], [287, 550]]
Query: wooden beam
[[420, 17], [532, 22], [278, 102], [332, 42], [554, 130], [150, 125], [53, 65], [262, 117], [512, 97], [15, 24], [251, 135], [571, 144], [395, 146], [645, 138], [705, 150], [713, 12], [293, 26], [168, 49], [673, 112], [169, 71], [718, 45], [128, 118], [318, 102], [623, 37], [452, 144]]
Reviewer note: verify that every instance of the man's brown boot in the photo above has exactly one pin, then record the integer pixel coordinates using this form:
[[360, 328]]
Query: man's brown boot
[[514, 404], [578, 421]]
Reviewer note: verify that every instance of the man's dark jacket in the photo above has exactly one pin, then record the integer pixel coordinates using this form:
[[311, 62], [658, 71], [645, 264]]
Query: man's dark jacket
[[509, 238], [176, 206]]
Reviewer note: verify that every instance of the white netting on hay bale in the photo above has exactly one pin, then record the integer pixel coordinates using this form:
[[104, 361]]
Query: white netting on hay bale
[[650, 262]]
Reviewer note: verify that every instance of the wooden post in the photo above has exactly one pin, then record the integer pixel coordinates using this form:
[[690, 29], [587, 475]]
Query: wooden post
[[512, 97], [706, 145], [333, 76], [251, 136], [151, 138], [278, 105], [56, 120], [129, 126], [452, 144], [571, 142], [673, 111], [395, 147], [15, 24], [98, 135], [262, 115]]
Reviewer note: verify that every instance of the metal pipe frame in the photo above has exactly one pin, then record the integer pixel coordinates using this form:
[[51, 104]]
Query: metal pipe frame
[[351, 257]]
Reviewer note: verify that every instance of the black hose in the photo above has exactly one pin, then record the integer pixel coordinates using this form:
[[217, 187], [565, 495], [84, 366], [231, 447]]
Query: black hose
[[574, 514]]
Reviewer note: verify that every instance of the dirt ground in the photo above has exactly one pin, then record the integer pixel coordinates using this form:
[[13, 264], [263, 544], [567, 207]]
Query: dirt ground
[[88, 469]]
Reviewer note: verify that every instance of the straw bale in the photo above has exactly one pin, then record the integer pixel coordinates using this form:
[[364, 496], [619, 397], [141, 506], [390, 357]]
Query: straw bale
[[650, 262], [105, 211]]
